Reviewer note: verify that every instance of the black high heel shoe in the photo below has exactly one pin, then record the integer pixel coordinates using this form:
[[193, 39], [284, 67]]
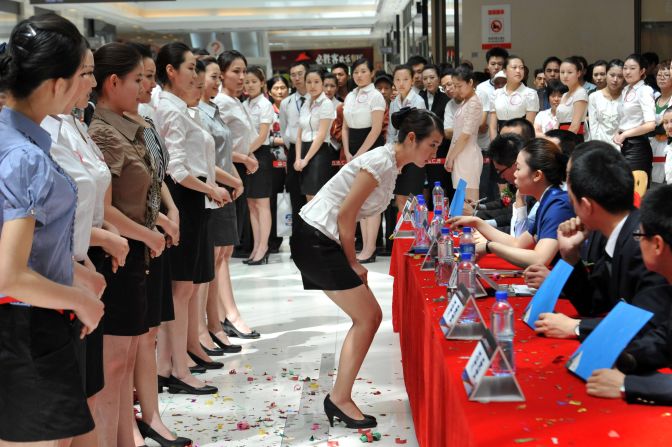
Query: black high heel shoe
[[216, 352], [370, 260], [333, 411], [148, 432], [231, 331], [176, 386], [162, 382], [197, 369], [228, 349], [263, 260], [204, 363]]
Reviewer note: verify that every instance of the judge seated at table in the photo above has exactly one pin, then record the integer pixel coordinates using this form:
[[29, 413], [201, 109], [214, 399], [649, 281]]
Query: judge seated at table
[[600, 188], [655, 239], [539, 171]]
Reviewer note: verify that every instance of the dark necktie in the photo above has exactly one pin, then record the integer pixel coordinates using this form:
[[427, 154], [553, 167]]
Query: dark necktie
[[302, 100]]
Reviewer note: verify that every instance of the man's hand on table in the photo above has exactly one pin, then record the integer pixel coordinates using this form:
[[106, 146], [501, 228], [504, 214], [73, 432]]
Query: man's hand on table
[[535, 275], [554, 325], [606, 383]]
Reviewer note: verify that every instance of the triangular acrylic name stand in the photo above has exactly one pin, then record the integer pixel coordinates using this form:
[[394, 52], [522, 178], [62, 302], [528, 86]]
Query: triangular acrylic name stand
[[462, 319], [429, 263], [481, 384], [406, 217], [480, 290]]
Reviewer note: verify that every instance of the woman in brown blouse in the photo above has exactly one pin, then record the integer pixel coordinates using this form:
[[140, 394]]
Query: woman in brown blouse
[[132, 206]]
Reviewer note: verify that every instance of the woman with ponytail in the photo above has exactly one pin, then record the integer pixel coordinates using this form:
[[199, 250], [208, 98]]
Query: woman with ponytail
[[540, 172], [323, 244]]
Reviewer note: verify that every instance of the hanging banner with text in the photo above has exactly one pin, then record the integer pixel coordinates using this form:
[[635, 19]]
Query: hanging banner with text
[[495, 26]]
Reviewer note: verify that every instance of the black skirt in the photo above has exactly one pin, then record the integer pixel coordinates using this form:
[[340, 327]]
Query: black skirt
[[356, 138], [159, 291], [637, 151], [260, 184], [318, 171], [223, 226], [411, 180], [194, 259], [41, 393], [125, 296], [322, 262]]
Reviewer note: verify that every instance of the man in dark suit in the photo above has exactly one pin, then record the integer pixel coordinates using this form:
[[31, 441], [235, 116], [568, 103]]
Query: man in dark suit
[[601, 187], [436, 101], [655, 240]]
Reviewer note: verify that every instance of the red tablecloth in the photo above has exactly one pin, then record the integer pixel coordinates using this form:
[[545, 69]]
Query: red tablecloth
[[557, 410]]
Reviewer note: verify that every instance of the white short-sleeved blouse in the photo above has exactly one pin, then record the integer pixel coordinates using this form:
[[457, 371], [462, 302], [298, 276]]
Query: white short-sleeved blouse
[[360, 103], [565, 111], [322, 211], [515, 104], [311, 114], [636, 106], [261, 112]]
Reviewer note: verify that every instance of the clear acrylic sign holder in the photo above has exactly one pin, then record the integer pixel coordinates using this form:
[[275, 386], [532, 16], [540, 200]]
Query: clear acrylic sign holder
[[454, 322], [481, 384], [430, 260], [480, 290], [406, 216]]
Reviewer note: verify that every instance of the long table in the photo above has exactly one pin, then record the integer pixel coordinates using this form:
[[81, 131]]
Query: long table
[[557, 410]]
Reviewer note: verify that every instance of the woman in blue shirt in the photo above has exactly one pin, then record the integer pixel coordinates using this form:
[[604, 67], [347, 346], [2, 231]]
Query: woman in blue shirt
[[540, 171], [39, 69]]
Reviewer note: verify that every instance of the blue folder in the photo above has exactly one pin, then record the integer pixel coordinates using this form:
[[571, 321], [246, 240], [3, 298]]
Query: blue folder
[[547, 295], [610, 337], [458, 199]]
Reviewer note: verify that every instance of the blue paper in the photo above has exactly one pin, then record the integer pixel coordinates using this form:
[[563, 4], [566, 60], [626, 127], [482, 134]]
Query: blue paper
[[610, 337], [547, 295], [458, 199]]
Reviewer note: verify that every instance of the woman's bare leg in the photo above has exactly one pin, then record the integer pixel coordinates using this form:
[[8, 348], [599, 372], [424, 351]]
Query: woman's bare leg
[[263, 211], [229, 308], [196, 311], [370, 227], [254, 222]]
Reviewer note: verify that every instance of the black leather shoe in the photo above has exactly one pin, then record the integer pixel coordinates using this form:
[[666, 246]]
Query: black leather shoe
[[163, 383], [231, 331], [370, 260], [148, 432], [204, 363], [217, 352], [228, 349], [197, 369], [176, 386], [333, 411], [263, 260]]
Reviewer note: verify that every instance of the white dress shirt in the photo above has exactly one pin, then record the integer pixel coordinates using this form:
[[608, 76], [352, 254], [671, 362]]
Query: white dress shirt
[[359, 104], [322, 211], [311, 115], [484, 90], [238, 120], [515, 104], [290, 110], [610, 247], [412, 100], [636, 106], [603, 116], [449, 114], [260, 110]]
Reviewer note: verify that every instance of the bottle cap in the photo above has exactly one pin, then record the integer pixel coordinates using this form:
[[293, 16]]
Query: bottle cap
[[466, 230], [500, 294], [421, 199], [466, 256], [445, 231], [438, 212], [437, 183]]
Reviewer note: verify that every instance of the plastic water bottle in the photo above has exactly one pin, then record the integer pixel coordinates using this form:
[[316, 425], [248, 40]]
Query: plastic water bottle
[[445, 262], [436, 226], [467, 244], [501, 324], [421, 226], [467, 276], [437, 196]]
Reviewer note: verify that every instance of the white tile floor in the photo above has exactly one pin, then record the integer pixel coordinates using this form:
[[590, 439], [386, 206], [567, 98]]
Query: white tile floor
[[277, 384]]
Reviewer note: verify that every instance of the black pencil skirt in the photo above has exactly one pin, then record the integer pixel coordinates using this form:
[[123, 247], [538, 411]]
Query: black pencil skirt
[[637, 151], [260, 184], [42, 396], [356, 138], [320, 260], [318, 171]]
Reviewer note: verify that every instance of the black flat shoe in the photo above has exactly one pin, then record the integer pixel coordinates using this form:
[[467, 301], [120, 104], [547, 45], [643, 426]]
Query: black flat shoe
[[217, 352], [228, 349], [198, 369], [163, 383], [263, 260], [370, 260], [204, 363], [333, 411], [231, 331], [148, 432], [176, 386]]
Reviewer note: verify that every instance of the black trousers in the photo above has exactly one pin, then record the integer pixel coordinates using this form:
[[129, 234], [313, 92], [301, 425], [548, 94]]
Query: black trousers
[[278, 180], [293, 185], [243, 215], [489, 185]]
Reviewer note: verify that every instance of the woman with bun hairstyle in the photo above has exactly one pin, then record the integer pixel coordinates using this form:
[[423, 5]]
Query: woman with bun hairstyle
[[464, 159], [323, 244], [313, 158], [637, 118], [540, 171], [39, 67]]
